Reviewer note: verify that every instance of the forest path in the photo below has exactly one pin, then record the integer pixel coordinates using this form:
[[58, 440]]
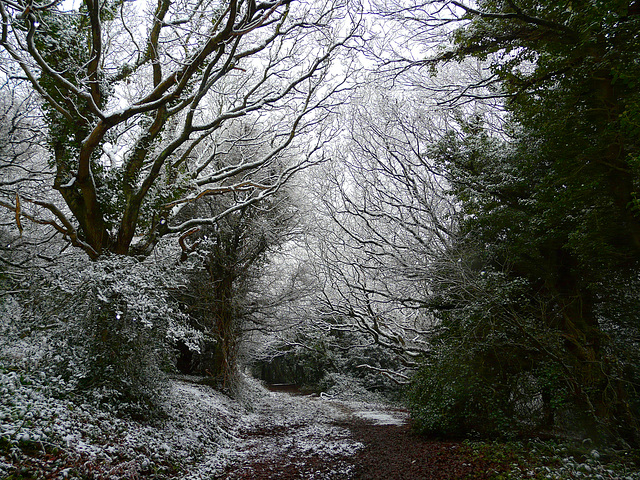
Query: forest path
[[305, 437]]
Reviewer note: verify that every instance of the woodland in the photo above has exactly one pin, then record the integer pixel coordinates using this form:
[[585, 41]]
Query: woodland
[[432, 202]]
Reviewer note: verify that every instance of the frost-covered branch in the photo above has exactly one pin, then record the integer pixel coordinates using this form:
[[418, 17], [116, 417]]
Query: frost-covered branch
[[133, 101]]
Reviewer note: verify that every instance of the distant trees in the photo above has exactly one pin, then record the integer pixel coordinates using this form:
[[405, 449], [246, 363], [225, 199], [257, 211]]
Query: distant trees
[[375, 217], [20, 138], [22, 169], [135, 101], [386, 216]]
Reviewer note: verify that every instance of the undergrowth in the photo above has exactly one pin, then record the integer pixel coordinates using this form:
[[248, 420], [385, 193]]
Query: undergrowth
[[538, 460]]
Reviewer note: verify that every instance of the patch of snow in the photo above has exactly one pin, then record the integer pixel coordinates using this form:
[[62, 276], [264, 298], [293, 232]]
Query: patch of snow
[[289, 428], [69, 184], [383, 418]]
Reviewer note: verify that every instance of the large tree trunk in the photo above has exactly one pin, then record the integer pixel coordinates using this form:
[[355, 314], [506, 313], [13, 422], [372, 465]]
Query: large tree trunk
[[80, 198], [224, 327], [596, 389]]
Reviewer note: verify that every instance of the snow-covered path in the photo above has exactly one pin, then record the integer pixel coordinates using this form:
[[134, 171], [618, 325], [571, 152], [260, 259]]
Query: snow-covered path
[[301, 435], [203, 434], [257, 435]]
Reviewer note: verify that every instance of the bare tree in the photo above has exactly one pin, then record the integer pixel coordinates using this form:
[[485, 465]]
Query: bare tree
[[382, 216], [137, 97], [23, 171]]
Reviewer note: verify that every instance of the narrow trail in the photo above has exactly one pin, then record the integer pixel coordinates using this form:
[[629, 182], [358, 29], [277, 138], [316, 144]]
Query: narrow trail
[[303, 437], [295, 437]]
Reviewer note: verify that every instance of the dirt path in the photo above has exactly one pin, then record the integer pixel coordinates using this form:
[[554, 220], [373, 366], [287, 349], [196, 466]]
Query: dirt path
[[294, 437], [393, 452], [297, 437]]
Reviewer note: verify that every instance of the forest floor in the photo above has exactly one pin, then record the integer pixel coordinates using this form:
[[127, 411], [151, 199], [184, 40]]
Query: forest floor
[[293, 436], [338, 439], [259, 434]]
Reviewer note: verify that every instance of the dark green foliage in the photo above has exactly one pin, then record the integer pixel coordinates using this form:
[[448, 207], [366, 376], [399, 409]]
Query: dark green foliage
[[531, 294], [539, 290], [491, 372], [122, 360], [449, 398]]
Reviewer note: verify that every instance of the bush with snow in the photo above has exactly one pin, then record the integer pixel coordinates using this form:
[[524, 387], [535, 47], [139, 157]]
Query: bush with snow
[[104, 327], [45, 431]]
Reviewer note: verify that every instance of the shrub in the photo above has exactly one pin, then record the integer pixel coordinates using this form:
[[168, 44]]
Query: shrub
[[449, 399], [103, 326]]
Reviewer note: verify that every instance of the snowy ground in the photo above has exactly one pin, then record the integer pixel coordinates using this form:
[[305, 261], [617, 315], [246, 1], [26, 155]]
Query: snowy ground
[[303, 432], [258, 435], [378, 417], [286, 429], [205, 435]]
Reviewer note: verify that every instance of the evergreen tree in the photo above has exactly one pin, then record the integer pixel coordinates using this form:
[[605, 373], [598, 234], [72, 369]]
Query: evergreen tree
[[549, 231]]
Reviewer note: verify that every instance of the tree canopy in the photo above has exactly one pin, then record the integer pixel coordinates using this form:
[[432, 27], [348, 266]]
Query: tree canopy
[[138, 100], [473, 231]]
